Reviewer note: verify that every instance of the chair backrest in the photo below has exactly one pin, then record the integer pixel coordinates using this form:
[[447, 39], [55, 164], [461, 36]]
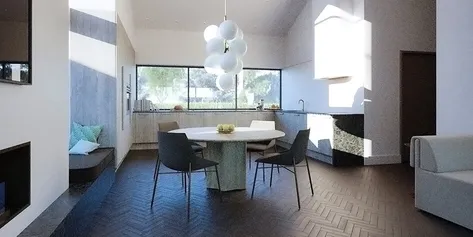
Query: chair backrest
[[299, 146], [168, 126], [175, 151], [269, 125]]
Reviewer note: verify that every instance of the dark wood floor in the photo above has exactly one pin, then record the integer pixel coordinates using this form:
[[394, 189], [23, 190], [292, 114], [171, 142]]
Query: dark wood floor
[[362, 201]]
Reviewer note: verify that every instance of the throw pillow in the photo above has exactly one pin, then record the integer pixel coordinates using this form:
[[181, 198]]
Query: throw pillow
[[87, 133], [83, 148]]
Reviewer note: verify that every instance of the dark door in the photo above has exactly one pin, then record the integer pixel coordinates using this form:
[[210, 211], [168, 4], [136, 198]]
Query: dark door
[[418, 97]]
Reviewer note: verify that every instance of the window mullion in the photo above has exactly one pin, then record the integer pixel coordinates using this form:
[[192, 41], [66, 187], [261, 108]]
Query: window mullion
[[188, 88]]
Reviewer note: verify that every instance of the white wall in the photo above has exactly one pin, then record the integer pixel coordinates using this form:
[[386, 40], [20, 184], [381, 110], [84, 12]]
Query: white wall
[[164, 47], [40, 113], [124, 10], [315, 48], [395, 26], [14, 41], [454, 67], [125, 59]]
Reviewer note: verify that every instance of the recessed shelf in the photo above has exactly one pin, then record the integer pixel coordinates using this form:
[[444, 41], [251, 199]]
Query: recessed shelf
[[14, 82]]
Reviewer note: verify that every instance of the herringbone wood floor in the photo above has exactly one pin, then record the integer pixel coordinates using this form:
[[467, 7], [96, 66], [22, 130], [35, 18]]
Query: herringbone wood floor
[[361, 201]]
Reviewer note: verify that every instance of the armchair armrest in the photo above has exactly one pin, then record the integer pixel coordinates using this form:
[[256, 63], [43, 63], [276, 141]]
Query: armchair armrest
[[442, 153]]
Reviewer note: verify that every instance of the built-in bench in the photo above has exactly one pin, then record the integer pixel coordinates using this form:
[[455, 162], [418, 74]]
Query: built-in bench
[[83, 169], [90, 178]]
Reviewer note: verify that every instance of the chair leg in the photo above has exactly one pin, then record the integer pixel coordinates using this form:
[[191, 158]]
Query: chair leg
[[155, 168], [189, 193], [297, 186], [155, 182], [264, 172], [218, 183], [249, 160], [310, 179], [276, 150], [205, 170], [182, 179], [254, 181], [185, 182], [271, 178]]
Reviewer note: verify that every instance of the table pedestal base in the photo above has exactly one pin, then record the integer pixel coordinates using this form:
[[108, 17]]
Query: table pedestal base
[[231, 157]]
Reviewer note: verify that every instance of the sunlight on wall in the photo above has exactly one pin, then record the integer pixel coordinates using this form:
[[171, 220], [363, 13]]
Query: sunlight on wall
[[92, 53], [322, 135], [339, 51], [104, 9], [334, 43]]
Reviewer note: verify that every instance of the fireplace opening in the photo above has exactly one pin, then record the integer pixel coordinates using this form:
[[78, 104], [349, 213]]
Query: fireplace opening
[[15, 170], [2, 198]]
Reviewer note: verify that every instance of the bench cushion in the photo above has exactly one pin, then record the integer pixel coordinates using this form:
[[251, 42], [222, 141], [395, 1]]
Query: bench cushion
[[86, 168], [462, 176]]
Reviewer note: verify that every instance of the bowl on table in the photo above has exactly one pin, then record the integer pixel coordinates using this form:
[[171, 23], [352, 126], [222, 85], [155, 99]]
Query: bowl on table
[[225, 128]]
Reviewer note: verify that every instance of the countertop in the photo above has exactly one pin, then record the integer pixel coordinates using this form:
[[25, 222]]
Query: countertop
[[198, 111], [278, 111]]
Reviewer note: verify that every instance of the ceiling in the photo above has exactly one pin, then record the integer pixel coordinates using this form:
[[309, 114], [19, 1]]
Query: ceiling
[[264, 17], [14, 10]]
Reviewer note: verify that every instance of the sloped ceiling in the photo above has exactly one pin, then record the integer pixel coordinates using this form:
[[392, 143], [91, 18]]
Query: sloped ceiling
[[263, 17]]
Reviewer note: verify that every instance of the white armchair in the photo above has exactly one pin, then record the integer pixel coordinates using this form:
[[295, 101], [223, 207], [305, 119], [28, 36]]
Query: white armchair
[[444, 176]]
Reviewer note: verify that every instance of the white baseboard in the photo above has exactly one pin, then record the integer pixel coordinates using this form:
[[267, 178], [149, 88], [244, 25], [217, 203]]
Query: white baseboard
[[383, 160]]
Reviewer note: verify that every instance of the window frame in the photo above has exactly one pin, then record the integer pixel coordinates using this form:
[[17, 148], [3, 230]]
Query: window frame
[[201, 67]]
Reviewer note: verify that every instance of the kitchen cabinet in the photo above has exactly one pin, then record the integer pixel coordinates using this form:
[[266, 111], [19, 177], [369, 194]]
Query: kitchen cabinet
[[212, 119], [265, 116], [282, 124], [243, 119], [146, 124], [191, 120], [321, 133], [145, 128]]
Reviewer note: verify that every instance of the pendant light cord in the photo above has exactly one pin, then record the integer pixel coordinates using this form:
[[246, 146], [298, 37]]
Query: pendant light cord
[[225, 17]]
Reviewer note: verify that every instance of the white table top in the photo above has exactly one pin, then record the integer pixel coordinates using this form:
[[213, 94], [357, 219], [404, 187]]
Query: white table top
[[241, 134]]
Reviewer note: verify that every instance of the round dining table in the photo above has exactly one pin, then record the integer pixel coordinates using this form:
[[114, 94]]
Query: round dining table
[[229, 150]]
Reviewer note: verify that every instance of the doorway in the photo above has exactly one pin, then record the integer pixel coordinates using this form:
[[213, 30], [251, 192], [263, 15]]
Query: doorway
[[418, 97]]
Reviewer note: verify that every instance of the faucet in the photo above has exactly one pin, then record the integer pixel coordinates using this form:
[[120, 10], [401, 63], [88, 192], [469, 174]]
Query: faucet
[[303, 104]]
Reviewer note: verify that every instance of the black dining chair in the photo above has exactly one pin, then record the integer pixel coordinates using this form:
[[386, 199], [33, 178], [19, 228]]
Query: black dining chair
[[169, 126], [294, 156], [176, 153]]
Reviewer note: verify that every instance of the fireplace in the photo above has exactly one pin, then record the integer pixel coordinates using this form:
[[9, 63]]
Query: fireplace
[[2, 198], [14, 181]]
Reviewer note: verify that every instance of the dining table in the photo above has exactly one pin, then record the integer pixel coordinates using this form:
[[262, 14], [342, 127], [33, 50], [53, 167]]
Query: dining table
[[229, 151]]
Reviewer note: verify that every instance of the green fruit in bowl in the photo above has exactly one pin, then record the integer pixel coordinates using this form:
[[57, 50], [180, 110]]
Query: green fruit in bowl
[[225, 128]]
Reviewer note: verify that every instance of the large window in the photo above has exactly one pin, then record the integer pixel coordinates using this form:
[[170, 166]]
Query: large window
[[254, 85], [193, 88]]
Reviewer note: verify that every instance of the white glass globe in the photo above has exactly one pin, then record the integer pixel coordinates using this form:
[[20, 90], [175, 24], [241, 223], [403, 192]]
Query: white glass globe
[[239, 47], [238, 68], [210, 32], [212, 64], [239, 34], [215, 46], [225, 81], [228, 30], [229, 61]]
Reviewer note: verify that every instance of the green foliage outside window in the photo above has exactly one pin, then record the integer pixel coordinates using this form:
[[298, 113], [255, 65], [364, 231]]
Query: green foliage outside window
[[170, 86]]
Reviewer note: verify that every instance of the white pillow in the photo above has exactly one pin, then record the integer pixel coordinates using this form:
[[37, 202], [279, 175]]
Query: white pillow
[[83, 147]]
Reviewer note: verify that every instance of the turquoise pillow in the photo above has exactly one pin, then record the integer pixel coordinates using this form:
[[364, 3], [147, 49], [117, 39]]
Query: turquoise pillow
[[86, 133]]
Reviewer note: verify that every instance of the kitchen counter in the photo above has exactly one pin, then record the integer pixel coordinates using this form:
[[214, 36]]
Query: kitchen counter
[[248, 110], [199, 111], [313, 112]]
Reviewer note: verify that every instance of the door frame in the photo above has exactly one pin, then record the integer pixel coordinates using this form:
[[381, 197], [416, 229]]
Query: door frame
[[401, 54]]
